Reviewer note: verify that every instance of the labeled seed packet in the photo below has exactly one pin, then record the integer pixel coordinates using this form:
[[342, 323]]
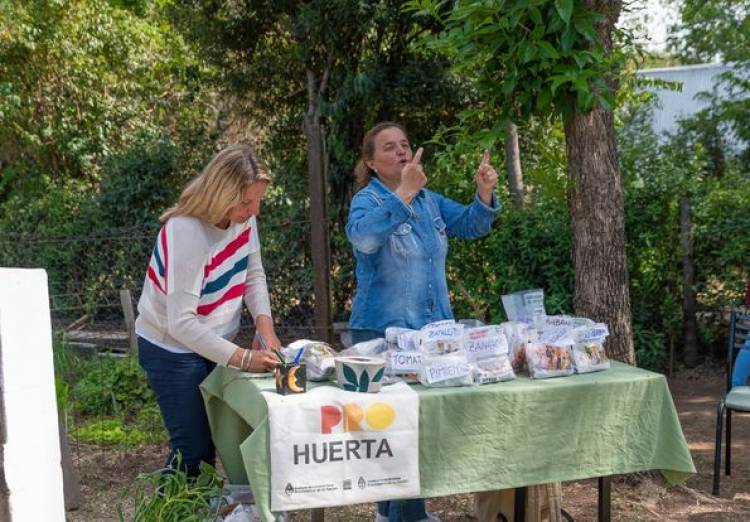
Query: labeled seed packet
[[526, 306], [392, 334], [441, 338], [484, 342], [446, 371], [588, 350], [403, 364], [547, 360], [518, 334], [493, 369]]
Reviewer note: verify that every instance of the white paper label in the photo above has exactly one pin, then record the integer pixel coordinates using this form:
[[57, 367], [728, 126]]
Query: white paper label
[[449, 368], [408, 362]]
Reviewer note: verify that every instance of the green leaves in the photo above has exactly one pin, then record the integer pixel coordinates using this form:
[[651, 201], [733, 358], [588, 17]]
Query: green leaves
[[350, 375], [363, 383], [565, 9], [527, 55]]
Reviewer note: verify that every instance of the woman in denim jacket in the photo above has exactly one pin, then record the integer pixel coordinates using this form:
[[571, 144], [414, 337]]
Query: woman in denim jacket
[[399, 232]]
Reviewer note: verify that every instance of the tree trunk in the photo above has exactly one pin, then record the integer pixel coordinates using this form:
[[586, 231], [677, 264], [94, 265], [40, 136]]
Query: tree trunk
[[597, 212], [689, 320], [319, 243], [320, 247], [513, 163], [597, 218]]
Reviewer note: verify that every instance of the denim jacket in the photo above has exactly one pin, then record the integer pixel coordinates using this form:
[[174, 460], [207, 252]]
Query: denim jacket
[[400, 251]]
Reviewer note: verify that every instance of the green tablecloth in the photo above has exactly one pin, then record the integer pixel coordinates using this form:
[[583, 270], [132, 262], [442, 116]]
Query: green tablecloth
[[489, 437]]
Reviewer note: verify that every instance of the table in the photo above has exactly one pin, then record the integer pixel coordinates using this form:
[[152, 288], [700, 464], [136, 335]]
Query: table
[[489, 437]]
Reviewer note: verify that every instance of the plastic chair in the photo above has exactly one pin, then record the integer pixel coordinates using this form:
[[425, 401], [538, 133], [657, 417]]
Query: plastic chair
[[737, 398]]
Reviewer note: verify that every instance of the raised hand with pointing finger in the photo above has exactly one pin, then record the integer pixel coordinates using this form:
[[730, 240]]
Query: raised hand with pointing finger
[[486, 179], [401, 244], [412, 178]]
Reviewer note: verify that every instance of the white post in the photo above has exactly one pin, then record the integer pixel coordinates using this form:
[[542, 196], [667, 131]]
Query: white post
[[33, 471]]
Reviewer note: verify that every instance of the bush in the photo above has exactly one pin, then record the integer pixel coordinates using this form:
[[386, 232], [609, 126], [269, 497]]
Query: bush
[[112, 386]]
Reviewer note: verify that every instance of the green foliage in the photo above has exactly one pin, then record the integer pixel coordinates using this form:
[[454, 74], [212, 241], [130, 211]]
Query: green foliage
[[718, 31], [711, 30], [650, 348], [80, 80], [171, 496], [109, 432], [112, 386], [139, 184], [93, 242], [527, 248], [657, 175], [529, 57]]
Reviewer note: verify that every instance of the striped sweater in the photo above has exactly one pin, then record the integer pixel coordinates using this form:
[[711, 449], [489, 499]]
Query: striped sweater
[[195, 283]]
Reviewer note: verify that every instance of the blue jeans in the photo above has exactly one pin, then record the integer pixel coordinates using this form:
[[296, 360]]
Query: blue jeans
[[410, 510], [174, 378]]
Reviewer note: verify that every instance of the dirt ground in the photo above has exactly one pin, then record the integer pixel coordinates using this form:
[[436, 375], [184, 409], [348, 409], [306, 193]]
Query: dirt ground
[[107, 474]]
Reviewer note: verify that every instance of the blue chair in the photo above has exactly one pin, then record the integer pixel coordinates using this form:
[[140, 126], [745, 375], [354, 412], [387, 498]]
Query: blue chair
[[737, 397]]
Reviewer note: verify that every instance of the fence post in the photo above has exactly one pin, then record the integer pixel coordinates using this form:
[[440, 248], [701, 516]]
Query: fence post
[[129, 314]]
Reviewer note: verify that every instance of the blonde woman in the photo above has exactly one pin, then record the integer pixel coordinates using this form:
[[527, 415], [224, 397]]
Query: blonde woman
[[205, 262]]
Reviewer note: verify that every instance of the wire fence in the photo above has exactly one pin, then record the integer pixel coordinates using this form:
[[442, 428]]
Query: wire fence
[[101, 391], [87, 272]]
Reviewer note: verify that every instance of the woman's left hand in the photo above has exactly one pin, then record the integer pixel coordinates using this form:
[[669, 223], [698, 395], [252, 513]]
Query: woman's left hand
[[486, 179], [264, 328]]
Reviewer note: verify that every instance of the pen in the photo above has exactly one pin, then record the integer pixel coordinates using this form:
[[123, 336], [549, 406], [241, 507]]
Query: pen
[[261, 340]]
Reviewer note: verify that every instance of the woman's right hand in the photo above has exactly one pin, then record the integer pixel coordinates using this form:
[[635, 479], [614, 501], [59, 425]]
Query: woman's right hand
[[254, 361], [412, 178], [262, 361]]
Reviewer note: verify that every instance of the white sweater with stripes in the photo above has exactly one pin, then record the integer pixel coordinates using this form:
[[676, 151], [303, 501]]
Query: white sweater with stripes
[[195, 283]]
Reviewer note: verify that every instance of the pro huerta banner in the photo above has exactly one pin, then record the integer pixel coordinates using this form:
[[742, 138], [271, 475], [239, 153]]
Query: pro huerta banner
[[331, 447]]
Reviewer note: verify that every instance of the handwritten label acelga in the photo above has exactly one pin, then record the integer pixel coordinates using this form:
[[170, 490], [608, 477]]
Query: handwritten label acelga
[[409, 362], [443, 368]]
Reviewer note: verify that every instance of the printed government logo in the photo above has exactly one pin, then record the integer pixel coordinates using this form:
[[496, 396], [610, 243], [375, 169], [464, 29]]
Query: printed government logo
[[289, 489], [349, 418]]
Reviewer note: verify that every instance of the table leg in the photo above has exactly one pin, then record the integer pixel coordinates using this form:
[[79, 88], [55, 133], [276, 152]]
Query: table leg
[[605, 499], [317, 515], [519, 505]]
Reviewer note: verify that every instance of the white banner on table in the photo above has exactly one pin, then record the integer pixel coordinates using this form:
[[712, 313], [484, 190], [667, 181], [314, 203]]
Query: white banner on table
[[331, 447]]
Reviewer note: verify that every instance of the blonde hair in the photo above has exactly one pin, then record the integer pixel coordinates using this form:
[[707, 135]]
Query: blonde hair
[[363, 173], [220, 186]]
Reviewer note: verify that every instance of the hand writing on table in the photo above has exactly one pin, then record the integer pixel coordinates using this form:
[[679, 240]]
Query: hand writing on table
[[253, 360]]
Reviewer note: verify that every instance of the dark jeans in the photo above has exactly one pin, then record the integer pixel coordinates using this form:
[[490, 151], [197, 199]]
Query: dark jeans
[[396, 510], [174, 378], [410, 510]]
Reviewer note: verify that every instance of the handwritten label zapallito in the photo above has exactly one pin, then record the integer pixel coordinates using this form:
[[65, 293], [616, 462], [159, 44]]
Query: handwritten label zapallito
[[442, 331], [487, 341]]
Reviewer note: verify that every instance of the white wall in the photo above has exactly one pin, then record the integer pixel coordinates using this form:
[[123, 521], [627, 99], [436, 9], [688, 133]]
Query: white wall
[[32, 451], [674, 105]]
